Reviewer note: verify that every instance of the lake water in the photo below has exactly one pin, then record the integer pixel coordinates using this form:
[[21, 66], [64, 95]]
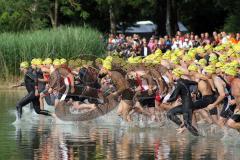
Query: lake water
[[107, 138]]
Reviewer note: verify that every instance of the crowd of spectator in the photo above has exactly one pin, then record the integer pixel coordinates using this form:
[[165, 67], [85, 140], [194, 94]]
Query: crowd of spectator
[[134, 45]]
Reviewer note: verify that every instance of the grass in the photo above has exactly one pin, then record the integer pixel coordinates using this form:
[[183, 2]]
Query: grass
[[66, 42]]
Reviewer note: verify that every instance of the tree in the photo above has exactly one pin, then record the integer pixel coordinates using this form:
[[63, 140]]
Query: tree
[[201, 16], [232, 7], [18, 15], [168, 18], [110, 6], [112, 16]]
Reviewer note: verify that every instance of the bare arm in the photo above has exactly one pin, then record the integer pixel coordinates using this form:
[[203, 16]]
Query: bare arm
[[119, 91], [220, 89], [201, 76], [18, 85], [175, 94], [169, 77], [210, 81], [237, 97]]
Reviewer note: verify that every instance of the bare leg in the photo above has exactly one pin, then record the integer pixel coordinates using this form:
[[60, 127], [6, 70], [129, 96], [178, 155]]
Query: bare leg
[[76, 105], [194, 120], [140, 109], [232, 124], [56, 102], [181, 130], [215, 119], [158, 105], [41, 100], [205, 115], [222, 122], [120, 109], [152, 112], [125, 110]]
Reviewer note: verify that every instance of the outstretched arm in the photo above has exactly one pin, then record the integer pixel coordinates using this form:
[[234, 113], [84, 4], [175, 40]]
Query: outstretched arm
[[18, 85], [175, 94]]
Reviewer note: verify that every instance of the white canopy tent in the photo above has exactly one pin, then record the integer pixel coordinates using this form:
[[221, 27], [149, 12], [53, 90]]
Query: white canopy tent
[[147, 27]]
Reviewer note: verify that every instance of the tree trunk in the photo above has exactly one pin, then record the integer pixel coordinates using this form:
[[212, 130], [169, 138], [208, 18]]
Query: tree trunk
[[168, 18], [174, 18], [112, 17], [51, 18], [55, 14], [160, 16]]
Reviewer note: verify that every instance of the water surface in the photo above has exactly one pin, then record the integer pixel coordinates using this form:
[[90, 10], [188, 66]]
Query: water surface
[[39, 137]]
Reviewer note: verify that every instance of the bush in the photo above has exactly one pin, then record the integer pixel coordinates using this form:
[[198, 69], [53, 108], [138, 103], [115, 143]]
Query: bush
[[66, 42], [232, 23]]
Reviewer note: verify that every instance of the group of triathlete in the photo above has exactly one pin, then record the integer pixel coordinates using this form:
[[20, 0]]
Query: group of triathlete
[[201, 84]]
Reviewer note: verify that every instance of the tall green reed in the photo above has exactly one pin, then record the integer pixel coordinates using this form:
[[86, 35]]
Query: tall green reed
[[66, 42]]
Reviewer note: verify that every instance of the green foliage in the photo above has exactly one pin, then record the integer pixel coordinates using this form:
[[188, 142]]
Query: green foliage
[[22, 15], [232, 23], [201, 16], [28, 16], [66, 42]]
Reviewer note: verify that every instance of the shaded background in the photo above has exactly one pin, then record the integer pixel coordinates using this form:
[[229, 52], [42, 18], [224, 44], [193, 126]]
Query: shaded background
[[104, 15]]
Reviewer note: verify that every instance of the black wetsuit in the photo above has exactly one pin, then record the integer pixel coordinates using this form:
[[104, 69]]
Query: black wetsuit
[[41, 85], [204, 101], [182, 90], [227, 110], [30, 82]]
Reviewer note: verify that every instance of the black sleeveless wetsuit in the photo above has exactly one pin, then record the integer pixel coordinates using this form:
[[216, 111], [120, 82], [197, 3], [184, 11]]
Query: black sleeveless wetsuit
[[30, 82], [182, 90]]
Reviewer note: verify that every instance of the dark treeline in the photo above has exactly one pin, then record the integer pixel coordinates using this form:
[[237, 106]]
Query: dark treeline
[[199, 16]]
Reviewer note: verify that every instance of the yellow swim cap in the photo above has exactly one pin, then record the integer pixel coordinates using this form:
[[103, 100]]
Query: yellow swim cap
[[99, 60], [176, 61], [24, 64], [192, 54], [234, 64], [56, 62], [34, 61], [219, 64], [187, 58], [158, 52], [167, 55], [179, 53], [200, 50], [236, 48], [202, 62], [231, 71], [213, 58], [134, 60], [210, 69], [48, 61], [193, 67], [71, 63], [219, 48], [223, 58], [89, 63], [230, 52], [38, 62], [107, 65], [213, 62], [208, 47], [177, 72], [63, 61], [109, 58]]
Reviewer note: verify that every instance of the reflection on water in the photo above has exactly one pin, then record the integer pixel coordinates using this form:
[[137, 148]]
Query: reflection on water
[[37, 137]]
